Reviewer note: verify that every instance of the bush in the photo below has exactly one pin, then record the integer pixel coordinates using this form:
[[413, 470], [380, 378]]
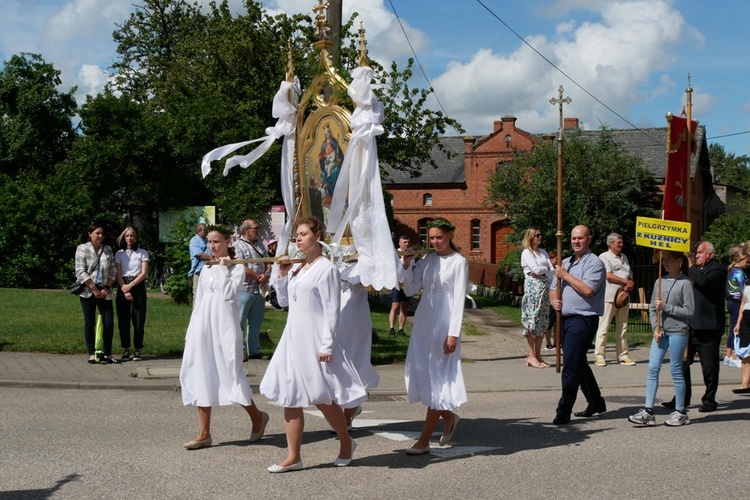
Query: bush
[[178, 259], [510, 272]]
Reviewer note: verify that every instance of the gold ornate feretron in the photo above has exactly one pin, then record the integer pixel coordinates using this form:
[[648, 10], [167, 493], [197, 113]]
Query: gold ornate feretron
[[321, 111]]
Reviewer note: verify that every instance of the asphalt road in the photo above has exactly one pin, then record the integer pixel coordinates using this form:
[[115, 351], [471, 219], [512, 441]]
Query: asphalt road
[[61, 443]]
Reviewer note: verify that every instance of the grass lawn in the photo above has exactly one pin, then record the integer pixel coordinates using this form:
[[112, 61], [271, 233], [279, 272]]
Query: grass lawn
[[52, 321], [510, 312]]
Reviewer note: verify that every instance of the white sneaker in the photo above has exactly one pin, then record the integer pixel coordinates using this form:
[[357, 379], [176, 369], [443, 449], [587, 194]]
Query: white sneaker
[[734, 363], [726, 361], [676, 419], [643, 418]]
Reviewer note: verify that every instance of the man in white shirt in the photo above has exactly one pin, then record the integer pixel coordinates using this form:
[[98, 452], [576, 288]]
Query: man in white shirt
[[619, 275]]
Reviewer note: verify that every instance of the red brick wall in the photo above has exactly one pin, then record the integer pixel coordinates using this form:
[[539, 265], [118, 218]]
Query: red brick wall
[[462, 203]]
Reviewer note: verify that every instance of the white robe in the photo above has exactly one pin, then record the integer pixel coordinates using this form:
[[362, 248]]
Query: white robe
[[212, 373], [432, 377], [295, 378], [355, 332]]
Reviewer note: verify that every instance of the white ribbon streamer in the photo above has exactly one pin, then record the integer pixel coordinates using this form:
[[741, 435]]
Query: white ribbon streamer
[[358, 195]]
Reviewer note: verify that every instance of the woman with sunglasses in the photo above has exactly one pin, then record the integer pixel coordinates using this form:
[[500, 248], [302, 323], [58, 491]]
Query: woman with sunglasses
[[535, 308]]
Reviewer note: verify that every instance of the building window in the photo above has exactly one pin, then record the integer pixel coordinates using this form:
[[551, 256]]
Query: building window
[[476, 234], [427, 200], [422, 225]]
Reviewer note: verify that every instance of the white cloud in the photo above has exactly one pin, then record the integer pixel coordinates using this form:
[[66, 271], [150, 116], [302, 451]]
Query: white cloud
[[86, 18], [385, 39], [629, 43], [91, 80]]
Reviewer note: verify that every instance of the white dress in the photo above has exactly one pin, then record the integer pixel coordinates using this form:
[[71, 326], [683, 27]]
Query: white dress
[[432, 377], [355, 332], [212, 373], [295, 378]]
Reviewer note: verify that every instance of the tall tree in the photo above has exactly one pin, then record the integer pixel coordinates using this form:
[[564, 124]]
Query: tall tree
[[728, 168], [35, 117], [730, 229], [604, 188]]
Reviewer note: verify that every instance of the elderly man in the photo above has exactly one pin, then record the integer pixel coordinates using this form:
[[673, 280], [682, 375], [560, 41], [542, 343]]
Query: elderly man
[[252, 303], [618, 275], [583, 283], [707, 324], [198, 254]]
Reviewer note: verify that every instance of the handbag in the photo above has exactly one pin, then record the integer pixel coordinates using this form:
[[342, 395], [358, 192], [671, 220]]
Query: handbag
[[76, 288]]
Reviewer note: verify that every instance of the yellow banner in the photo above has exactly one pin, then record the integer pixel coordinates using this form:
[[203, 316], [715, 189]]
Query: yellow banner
[[662, 234]]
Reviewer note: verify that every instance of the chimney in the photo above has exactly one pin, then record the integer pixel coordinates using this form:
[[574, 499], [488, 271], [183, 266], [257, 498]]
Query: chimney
[[570, 123], [469, 143], [509, 119]]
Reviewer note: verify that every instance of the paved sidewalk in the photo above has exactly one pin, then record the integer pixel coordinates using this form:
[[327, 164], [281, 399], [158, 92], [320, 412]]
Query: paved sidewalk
[[493, 363]]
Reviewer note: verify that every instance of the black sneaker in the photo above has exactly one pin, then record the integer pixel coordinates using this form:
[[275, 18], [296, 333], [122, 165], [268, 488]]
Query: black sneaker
[[137, 356], [401, 332], [125, 356], [391, 332]]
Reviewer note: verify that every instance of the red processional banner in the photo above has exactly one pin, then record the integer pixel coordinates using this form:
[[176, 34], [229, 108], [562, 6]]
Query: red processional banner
[[676, 179]]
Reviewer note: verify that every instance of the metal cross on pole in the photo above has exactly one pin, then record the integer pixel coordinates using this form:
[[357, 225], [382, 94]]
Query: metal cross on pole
[[559, 234]]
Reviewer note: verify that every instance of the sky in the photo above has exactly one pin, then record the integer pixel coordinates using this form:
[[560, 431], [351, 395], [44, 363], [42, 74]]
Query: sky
[[488, 58]]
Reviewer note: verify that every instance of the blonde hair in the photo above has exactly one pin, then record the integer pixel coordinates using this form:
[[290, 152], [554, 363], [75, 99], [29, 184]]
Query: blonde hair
[[736, 254], [122, 244], [528, 237]]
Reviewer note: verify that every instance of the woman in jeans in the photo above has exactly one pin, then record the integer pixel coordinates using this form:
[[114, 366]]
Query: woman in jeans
[[95, 268], [676, 305], [131, 263]]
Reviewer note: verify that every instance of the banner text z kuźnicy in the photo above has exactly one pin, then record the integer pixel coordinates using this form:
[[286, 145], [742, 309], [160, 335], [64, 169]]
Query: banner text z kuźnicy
[[662, 234]]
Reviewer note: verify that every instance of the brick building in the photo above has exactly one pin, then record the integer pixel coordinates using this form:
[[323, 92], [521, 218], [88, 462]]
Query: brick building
[[457, 188]]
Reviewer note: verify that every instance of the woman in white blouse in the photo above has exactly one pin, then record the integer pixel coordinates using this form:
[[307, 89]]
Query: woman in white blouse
[[131, 263], [537, 271]]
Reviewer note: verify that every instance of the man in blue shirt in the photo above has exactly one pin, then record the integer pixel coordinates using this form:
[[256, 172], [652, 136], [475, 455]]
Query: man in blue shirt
[[198, 254], [583, 278]]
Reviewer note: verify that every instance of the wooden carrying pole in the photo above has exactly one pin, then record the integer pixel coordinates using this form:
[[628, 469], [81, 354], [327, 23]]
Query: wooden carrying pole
[[347, 258], [559, 234]]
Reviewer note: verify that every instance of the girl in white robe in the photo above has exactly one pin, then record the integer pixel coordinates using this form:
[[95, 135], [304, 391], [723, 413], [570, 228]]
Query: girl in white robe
[[212, 373], [308, 366], [433, 362]]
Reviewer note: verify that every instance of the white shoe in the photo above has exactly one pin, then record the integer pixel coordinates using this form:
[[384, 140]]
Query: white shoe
[[447, 436], [735, 363], [417, 451], [343, 462], [276, 469], [256, 436]]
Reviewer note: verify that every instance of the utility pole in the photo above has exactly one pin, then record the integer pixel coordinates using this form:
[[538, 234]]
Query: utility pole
[[560, 139], [334, 21]]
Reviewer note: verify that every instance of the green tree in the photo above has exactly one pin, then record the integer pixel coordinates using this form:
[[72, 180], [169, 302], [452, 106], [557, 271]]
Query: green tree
[[39, 210], [729, 230], [603, 188], [35, 117], [729, 169]]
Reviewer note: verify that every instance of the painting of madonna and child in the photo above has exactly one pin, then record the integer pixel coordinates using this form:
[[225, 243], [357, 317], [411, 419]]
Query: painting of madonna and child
[[323, 163]]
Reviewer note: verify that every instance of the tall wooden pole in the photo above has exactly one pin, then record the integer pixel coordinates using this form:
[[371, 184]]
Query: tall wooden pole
[[559, 234], [334, 20], [688, 177]]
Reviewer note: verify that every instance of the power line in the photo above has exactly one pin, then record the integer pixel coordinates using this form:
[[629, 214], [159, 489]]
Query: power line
[[565, 74], [424, 73], [727, 135]]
